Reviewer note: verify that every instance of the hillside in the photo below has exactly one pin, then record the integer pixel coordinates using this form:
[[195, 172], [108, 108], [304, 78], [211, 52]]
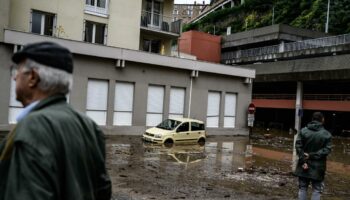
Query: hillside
[[308, 14]]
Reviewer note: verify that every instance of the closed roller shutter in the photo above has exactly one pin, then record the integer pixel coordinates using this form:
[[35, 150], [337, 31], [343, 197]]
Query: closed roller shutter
[[177, 102], [96, 105], [213, 109], [155, 105], [123, 104], [230, 110]]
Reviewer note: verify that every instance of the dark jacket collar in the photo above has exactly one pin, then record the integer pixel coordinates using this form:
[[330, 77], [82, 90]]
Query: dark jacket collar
[[49, 101]]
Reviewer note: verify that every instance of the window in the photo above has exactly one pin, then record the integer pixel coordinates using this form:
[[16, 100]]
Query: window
[[15, 106], [230, 110], [154, 12], [213, 109], [95, 32], [177, 101], [154, 105], [197, 126], [97, 7], [151, 45], [97, 95], [183, 127], [97, 3], [43, 23], [123, 104]]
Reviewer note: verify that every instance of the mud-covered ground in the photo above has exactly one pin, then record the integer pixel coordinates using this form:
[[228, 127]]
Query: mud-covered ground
[[226, 167]]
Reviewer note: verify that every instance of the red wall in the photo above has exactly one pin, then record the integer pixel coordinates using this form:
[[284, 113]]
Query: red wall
[[204, 46]]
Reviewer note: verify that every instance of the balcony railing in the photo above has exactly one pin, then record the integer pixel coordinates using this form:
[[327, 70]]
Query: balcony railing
[[160, 22], [320, 97], [96, 10], [288, 47]]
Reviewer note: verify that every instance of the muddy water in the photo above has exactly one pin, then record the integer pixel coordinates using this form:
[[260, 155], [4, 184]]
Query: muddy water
[[224, 168]]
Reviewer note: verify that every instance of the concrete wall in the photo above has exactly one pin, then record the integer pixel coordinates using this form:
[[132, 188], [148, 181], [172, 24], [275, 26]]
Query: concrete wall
[[4, 16], [5, 60], [319, 68], [269, 33], [70, 16], [142, 75], [123, 21]]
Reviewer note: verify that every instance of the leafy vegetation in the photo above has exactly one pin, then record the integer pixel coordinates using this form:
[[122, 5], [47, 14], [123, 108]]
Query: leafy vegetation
[[308, 14]]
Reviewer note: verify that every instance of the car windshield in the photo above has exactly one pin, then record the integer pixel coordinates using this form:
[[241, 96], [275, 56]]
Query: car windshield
[[169, 124]]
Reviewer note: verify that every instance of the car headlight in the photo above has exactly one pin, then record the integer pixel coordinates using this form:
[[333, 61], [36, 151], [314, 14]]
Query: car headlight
[[157, 135]]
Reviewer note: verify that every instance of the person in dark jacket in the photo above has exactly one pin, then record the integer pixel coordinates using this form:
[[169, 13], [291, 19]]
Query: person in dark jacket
[[313, 145], [54, 152]]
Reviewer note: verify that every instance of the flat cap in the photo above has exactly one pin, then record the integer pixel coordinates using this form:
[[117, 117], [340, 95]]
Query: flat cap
[[46, 53]]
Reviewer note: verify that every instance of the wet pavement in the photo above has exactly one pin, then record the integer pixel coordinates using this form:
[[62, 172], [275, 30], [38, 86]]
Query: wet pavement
[[226, 167]]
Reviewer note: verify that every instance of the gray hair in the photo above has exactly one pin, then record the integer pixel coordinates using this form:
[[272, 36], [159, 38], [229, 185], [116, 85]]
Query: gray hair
[[53, 81]]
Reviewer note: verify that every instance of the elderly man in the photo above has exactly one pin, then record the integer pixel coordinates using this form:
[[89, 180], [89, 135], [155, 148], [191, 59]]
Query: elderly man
[[53, 152], [313, 146]]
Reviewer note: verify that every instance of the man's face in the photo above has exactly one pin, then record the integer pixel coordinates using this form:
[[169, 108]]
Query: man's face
[[23, 89]]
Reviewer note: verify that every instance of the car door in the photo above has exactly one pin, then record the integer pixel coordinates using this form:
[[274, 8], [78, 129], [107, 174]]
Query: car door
[[197, 130], [182, 132]]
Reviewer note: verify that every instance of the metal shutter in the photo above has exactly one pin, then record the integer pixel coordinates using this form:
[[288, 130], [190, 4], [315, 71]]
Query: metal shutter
[[96, 105], [155, 105], [123, 104], [230, 110], [213, 109], [177, 101]]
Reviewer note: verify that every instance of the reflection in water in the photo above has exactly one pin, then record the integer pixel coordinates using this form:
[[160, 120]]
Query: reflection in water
[[217, 169], [225, 156]]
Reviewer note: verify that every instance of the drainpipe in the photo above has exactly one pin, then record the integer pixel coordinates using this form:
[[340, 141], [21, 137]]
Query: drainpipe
[[298, 115], [194, 74]]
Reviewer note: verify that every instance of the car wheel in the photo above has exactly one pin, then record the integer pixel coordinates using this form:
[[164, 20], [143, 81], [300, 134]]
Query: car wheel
[[201, 141], [168, 143]]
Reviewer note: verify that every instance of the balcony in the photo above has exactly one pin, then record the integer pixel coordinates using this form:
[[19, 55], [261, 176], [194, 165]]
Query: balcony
[[156, 22], [292, 49], [94, 9]]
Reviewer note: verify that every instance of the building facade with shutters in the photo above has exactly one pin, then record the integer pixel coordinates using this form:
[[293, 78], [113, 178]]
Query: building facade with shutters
[[119, 85]]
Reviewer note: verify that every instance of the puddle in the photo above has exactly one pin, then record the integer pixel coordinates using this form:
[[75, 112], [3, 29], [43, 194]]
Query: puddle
[[224, 168]]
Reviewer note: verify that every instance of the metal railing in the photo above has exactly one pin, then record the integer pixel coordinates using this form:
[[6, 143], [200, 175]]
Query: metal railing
[[160, 22], [288, 47], [274, 96], [327, 97], [321, 97]]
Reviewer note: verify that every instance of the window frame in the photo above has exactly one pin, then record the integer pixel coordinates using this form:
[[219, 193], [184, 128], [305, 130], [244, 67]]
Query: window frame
[[93, 37], [43, 22]]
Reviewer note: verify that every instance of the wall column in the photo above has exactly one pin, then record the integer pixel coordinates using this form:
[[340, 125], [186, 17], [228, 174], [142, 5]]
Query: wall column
[[298, 115], [298, 106]]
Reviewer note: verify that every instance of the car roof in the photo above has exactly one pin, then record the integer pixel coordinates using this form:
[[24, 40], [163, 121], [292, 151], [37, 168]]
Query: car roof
[[187, 120]]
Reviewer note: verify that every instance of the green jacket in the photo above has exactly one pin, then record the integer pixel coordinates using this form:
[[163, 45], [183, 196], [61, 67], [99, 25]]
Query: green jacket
[[316, 141], [54, 153]]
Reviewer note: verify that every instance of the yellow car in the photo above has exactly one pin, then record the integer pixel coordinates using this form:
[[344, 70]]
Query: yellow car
[[176, 130]]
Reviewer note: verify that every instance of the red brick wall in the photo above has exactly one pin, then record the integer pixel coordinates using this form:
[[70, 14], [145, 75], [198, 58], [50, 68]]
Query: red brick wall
[[204, 46]]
